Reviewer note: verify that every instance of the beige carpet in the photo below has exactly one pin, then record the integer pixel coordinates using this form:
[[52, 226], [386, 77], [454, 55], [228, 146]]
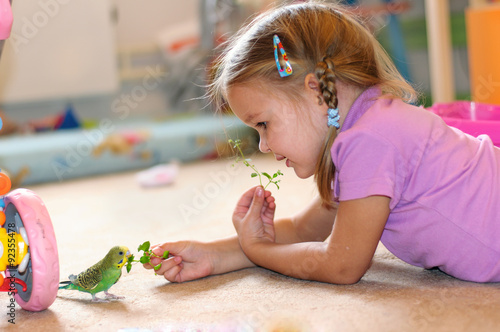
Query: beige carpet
[[91, 215]]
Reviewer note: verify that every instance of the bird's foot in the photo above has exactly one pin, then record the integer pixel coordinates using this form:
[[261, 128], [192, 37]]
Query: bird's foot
[[95, 299], [113, 297]]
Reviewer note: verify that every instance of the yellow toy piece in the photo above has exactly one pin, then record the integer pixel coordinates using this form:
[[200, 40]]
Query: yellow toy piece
[[13, 249]]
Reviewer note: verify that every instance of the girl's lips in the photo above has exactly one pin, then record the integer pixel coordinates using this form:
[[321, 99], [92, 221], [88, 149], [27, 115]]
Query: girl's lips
[[287, 163]]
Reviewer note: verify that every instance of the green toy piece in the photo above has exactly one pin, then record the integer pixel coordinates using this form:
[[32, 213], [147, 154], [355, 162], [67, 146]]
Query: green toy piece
[[101, 276]]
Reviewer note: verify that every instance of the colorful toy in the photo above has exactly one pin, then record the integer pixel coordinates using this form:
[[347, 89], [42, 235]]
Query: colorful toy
[[67, 119], [28, 254], [124, 143], [100, 276]]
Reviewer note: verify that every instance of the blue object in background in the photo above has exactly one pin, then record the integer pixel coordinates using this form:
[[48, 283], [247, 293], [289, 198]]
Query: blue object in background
[[398, 50], [68, 120], [63, 154]]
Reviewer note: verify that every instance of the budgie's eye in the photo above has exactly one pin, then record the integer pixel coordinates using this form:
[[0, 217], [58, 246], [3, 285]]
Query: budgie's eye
[[120, 253]]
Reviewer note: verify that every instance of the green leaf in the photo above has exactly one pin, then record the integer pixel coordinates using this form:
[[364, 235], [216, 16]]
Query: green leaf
[[254, 175], [144, 247], [266, 175], [129, 267], [130, 259], [157, 267], [145, 259], [165, 254]]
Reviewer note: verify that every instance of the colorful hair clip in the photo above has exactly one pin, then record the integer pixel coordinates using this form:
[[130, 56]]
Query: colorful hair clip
[[287, 71]]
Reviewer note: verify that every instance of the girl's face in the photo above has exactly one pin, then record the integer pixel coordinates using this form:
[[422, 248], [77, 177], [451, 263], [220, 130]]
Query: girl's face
[[294, 133]]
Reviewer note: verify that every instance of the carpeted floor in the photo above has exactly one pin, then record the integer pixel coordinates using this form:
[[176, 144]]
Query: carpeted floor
[[91, 215]]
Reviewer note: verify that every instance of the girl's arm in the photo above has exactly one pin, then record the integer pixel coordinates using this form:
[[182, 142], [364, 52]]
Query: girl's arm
[[343, 260], [314, 223], [192, 260]]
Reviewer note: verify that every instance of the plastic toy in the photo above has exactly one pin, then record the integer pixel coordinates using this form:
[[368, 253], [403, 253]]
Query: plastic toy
[[471, 117], [100, 276], [28, 254]]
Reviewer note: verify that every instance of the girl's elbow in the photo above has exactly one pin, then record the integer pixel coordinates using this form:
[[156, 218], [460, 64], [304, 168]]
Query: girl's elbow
[[350, 280], [347, 276]]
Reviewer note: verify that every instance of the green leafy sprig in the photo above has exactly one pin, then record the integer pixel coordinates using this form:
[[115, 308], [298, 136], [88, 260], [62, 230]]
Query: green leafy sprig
[[146, 256], [240, 157]]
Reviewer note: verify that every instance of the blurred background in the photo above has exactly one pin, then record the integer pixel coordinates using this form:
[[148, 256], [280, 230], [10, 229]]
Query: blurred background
[[90, 52], [74, 64]]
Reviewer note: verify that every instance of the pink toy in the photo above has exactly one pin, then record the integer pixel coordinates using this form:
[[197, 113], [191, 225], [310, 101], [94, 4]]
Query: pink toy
[[471, 117], [5, 19], [29, 251]]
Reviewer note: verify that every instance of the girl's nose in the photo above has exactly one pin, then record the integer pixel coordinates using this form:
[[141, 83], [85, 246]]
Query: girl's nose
[[263, 146]]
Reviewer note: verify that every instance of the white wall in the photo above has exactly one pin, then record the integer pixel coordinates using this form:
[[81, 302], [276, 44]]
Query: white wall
[[59, 49], [139, 22], [62, 49]]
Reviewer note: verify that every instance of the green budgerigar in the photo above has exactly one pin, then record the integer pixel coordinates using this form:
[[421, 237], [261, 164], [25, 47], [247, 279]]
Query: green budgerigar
[[101, 276]]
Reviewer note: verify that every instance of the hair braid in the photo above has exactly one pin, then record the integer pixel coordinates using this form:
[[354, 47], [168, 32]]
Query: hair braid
[[326, 76], [325, 169]]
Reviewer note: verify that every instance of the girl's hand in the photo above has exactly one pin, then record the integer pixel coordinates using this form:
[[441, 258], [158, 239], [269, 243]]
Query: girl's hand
[[190, 260], [253, 217]]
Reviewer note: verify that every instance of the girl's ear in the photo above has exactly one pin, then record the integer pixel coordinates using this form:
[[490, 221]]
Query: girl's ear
[[312, 89], [312, 83]]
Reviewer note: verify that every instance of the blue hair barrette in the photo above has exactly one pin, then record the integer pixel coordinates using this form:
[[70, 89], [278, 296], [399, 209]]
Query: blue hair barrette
[[333, 117], [287, 71]]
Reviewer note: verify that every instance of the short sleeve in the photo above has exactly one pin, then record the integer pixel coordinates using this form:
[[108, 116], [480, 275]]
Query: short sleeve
[[367, 164]]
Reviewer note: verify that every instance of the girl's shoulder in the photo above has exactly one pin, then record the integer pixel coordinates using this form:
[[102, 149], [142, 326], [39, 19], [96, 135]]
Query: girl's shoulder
[[394, 119]]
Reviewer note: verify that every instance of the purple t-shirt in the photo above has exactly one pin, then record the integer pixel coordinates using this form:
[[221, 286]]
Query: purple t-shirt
[[444, 185]]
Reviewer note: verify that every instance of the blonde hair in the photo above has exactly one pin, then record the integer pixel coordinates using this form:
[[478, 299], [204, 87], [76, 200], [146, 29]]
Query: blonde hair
[[320, 38]]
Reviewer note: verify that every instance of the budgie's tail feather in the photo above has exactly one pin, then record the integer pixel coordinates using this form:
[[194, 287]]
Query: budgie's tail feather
[[65, 284]]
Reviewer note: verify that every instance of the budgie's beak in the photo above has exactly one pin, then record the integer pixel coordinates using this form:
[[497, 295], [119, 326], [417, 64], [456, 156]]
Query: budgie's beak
[[128, 254]]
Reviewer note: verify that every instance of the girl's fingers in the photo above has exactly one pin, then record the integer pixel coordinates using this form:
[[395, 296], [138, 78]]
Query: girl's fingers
[[166, 264], [172, 274]]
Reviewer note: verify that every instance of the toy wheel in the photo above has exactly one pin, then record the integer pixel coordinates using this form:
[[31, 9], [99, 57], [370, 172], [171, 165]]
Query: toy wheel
[[26, 209]]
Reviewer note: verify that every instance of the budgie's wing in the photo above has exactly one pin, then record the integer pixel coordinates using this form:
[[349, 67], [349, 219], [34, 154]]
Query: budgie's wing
[[90, 278]]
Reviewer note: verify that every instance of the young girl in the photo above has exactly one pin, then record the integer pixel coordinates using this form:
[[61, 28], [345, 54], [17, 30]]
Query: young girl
[[325, 98]]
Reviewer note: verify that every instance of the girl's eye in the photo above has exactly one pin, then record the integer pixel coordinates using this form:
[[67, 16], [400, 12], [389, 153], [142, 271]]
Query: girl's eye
[[262, 125]]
